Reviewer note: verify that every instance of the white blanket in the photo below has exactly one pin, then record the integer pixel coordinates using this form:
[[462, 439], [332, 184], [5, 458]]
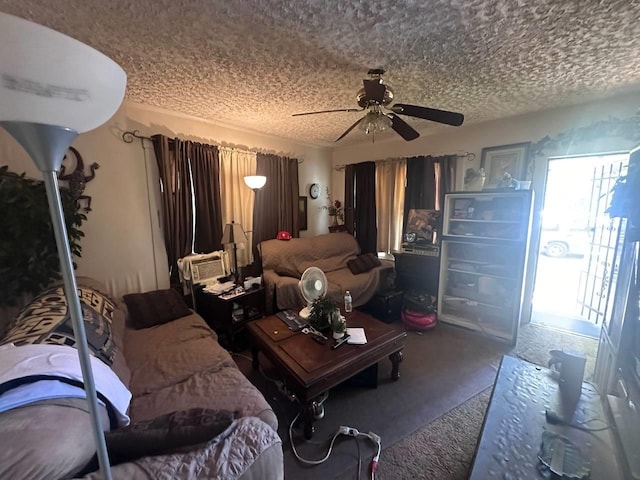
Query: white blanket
[[62, 361]]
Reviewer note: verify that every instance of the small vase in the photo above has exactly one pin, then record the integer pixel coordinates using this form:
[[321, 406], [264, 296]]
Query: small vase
[[334, 220], [338, 335]]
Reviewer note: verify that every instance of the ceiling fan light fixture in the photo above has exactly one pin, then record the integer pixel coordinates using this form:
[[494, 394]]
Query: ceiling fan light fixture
[[375, 122]]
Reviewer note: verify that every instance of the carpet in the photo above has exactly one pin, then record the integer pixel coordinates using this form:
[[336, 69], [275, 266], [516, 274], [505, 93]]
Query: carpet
[[444, 448], [442, 369]]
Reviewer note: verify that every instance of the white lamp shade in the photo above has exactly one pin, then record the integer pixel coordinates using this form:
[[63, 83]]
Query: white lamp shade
[[255, 181], [49, 78]]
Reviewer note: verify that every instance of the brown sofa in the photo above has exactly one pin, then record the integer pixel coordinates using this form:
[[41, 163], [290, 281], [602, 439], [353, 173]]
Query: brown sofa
[[283, 263], [177, 366]]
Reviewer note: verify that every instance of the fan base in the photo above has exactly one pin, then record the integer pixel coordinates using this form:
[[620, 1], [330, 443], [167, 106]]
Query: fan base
[[305, 312]]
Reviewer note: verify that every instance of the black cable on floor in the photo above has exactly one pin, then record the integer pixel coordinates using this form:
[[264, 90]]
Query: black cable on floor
[[359, 459]]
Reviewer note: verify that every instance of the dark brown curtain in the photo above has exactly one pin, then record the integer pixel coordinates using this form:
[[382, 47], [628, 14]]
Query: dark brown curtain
[[173, 166], [205, 167], [360, 204], [421, 191], [276, 204], [349, 197]]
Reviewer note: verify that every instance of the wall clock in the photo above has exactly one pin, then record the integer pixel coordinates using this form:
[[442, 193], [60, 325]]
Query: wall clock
[[314, 190]]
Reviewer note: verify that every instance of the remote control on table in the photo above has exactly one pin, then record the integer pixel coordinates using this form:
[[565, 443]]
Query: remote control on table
[[340, 341]]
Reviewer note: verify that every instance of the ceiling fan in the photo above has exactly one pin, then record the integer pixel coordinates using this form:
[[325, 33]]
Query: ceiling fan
[[375, 97]]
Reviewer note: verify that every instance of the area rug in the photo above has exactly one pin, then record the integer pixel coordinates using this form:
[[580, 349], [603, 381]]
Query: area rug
[[444, 448], [442, 369]]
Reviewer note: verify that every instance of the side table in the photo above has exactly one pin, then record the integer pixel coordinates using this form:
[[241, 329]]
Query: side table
[[229, 316]]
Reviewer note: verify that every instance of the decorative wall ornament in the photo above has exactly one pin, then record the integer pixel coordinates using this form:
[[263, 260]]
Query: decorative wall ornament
[[77, 179], [570, 141]]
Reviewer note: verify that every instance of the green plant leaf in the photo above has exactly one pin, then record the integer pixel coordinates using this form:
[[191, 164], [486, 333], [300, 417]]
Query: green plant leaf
[[28, 251]]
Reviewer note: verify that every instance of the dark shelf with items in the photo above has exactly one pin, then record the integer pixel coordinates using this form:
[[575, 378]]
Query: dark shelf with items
[[229, 316]]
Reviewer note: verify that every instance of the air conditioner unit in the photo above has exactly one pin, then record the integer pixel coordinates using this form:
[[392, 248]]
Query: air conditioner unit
[[204, 268]]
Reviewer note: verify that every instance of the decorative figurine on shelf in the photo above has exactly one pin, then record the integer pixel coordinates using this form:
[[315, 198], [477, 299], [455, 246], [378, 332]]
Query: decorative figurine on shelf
[[474, 180], [508, 182]]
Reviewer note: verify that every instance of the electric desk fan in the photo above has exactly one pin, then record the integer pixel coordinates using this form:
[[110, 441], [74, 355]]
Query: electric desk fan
[[312, 285]]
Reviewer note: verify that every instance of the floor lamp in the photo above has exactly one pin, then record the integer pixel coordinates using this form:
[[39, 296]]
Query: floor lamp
[[53, 87], [233, 235]]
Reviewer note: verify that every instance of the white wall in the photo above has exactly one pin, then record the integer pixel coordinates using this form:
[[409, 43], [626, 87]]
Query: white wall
[[123, 245]]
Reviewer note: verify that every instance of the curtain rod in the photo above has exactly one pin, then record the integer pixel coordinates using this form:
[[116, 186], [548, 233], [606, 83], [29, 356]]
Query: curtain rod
[[470, 156], [128, 137]]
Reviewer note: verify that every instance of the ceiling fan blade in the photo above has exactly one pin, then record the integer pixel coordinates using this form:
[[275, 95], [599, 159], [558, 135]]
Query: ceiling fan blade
[[403, 129], [349, 129], [440, 116], [328, 111], [374, 90]]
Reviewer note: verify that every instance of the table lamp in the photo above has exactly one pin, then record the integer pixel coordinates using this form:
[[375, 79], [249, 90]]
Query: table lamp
[[53, 87]]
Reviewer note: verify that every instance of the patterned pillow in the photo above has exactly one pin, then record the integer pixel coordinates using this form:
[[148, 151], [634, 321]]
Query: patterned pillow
[[46, 319]]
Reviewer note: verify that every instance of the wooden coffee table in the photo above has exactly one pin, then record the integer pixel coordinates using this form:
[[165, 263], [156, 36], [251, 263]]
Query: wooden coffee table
[[310, 368]]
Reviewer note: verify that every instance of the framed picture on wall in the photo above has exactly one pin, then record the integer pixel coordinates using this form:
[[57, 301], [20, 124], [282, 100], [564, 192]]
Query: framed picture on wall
[[302, 213], [501, 159]]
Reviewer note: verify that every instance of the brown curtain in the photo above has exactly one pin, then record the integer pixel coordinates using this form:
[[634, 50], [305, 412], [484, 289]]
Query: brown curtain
[[175, 188], [428, 178], [276, 204], [205, 168], [349, 197], [360, 204]]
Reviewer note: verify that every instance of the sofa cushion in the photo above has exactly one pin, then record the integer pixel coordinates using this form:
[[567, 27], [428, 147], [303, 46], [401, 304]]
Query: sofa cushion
[[328, 252], [166, 433], [287, 271], [155, 307], [180, 365], [363, 263], [47, 439]]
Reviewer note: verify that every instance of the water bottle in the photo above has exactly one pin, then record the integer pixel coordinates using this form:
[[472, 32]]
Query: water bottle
[[348, 306]]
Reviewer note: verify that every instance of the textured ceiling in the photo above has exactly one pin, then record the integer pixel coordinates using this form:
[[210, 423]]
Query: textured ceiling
[[251, 64]]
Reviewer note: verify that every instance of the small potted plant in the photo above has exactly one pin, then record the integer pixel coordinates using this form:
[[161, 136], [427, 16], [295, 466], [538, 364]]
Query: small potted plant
[[321, 310]]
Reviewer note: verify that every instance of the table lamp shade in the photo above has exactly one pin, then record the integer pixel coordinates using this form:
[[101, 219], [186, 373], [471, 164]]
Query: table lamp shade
[[233, 233], [49, 78]]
